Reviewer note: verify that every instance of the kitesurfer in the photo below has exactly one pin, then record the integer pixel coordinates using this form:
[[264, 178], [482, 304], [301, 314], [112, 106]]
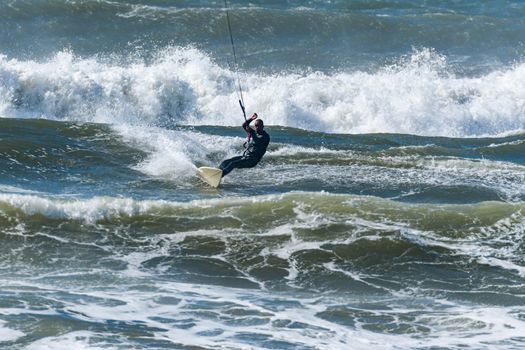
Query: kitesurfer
[[258, 141]]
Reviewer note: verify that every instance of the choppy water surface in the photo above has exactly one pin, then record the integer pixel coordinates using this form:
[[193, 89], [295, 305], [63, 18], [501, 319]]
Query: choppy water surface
[[388, 212]]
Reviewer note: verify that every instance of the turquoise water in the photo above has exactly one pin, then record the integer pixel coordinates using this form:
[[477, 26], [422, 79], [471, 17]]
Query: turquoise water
[[388, 212]]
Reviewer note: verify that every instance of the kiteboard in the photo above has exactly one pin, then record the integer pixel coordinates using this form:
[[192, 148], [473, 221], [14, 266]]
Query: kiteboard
[[212, 176]]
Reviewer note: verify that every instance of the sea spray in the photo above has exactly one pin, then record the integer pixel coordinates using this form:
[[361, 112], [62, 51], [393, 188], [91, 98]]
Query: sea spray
[[388, 212], [418, 95]]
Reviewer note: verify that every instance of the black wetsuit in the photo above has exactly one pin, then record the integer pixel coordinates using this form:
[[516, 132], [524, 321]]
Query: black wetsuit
[[253, 154]]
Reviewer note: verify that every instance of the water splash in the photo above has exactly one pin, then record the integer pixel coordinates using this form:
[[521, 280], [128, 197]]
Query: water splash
[[418, 95]]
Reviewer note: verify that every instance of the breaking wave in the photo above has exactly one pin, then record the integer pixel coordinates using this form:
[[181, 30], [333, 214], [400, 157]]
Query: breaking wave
[[419, 94]]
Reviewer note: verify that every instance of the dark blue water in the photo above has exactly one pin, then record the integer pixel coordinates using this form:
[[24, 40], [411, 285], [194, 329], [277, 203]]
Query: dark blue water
[[388, 212]]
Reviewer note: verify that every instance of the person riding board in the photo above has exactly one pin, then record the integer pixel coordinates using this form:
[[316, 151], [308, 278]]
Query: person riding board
[[258, 141]]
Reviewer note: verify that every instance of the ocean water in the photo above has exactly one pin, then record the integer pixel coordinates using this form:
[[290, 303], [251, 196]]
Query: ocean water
[[388, 212]]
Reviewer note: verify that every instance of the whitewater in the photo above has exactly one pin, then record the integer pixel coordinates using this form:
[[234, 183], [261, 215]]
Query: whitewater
[[420, 95], [387, 213]]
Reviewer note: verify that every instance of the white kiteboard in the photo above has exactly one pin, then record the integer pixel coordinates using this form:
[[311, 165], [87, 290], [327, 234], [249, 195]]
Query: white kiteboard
[[212, 176]]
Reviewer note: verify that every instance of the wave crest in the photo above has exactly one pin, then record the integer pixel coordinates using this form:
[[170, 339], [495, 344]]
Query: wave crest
[[418, 95]]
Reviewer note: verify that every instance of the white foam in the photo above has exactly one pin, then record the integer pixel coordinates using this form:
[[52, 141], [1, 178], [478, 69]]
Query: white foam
[[208, 308], [98, 208], [88, 210], [419, 95], [290, 150], [449, 325], [495, 244], [78, 340], [171, 153], [8, 334], [14, 189]]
